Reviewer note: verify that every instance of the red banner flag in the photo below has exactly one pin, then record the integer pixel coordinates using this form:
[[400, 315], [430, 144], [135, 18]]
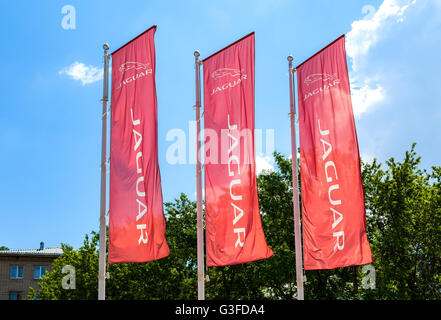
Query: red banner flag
[[233, 226], [334, 222], [136, 218]]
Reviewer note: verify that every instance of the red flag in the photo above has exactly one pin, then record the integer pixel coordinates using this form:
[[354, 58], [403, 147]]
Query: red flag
[[334, 222], [233, 226], [136, 218]]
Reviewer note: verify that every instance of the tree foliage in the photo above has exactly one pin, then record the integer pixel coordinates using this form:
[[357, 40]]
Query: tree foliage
[[403, 205], [403, 210]]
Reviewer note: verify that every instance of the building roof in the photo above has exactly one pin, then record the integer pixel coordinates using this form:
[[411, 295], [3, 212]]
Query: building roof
[[56, 251]]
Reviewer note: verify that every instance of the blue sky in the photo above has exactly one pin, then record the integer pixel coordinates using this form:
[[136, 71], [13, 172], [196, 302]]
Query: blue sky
[[50, 115]]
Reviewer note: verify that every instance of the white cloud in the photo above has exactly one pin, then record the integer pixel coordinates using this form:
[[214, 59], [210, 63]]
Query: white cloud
[[364, 96], [367, 32], [367, 157], [367, 91], [195, 194], [290, 156], [263, 163], [86, 74]]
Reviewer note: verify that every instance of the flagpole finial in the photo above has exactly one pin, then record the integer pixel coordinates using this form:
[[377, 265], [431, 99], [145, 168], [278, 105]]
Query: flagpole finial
[[106, 46], [196, 53], [290, 58]]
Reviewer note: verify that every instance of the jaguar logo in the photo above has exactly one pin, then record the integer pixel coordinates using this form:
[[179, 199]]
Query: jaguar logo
[[141, 70], [222, 72], [237, 75], [133, 65], [319, 76]]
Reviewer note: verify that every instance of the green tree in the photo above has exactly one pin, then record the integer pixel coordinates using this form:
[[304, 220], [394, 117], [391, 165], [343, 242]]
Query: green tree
[[85, 262], [270, 278], [275, 198], [403, 205], [173, 277], [403, 210]]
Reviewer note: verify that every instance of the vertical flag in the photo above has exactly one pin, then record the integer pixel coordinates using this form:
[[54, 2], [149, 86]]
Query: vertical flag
[[234, 231], [334, 222], [136, 218]]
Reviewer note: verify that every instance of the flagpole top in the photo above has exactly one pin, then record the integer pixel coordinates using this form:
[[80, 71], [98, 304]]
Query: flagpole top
[[290, 58], [196, 53], [106, 46]]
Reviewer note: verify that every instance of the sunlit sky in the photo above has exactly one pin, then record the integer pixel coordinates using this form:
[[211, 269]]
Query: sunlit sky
[[51, 86]]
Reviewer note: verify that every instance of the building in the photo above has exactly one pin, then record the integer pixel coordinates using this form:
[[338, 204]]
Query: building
[[21, 269]]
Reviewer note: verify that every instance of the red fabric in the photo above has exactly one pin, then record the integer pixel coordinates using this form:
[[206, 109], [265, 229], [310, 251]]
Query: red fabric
[[334, 222], [234, 231], [136, 218]]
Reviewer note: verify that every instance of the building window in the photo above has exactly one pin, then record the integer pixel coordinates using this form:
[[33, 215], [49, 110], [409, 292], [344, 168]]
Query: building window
[[16, 272], [39, 271], [13, 295]]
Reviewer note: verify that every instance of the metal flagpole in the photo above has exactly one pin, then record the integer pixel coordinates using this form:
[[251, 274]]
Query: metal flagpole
[[295, 187], [200, 230], [102, 250]]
